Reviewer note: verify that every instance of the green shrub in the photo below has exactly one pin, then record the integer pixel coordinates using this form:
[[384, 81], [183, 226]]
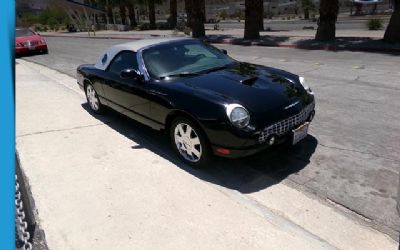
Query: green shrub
[[163, 26], [143, 26], [375, 24], [40, 27]]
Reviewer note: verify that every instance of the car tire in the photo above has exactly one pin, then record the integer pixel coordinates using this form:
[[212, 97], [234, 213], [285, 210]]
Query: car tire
[[190, 143], [93, 99]]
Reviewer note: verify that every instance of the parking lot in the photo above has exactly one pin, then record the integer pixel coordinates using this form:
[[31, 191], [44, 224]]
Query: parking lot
[[349, 162]]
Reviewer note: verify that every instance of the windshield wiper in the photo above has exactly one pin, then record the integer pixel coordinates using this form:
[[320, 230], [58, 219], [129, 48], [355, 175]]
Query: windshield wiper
[[218, 68], [183, 74]]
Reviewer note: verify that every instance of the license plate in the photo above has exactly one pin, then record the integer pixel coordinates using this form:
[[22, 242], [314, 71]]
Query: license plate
[[300, 133], [31, 47]]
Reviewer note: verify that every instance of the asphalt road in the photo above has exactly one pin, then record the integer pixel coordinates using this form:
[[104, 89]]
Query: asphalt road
[[351, 158]]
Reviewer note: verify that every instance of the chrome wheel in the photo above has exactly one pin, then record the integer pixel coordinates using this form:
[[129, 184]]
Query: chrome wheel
[[92, 98], [187, 142]]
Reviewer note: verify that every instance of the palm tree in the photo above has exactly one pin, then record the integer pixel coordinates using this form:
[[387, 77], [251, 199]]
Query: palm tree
[[173, 10], [307, 5], [130, 4], [328, 12], [252, 19], [196, 16], [107, 5], [392, 33], [152, 13], [122, 11], [189, 8], [261, 16]]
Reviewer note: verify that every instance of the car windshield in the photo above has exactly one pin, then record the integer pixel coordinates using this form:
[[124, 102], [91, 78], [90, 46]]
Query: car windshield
[[183, 58], [23, 32]]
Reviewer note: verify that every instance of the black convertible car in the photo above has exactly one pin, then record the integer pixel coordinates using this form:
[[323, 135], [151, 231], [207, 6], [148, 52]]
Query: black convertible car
[[209, 103]]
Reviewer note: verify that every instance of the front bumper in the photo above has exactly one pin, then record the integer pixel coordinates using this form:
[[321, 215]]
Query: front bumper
[[28, 50], [251, 150], [236, 146]]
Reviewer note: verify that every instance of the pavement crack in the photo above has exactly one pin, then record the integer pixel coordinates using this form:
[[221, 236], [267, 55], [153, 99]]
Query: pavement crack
[[358, 151], [349, 209], [276, 218], [61, 130], [308, 71]]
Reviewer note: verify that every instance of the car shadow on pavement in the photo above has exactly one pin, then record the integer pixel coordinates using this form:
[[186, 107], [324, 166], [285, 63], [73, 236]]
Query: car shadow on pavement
[[246, 175], [29, 54]]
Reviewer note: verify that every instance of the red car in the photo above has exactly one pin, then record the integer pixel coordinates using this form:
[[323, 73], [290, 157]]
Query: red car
[[27, 41]]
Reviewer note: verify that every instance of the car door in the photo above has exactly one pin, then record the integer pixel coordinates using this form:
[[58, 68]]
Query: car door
[[127, 96]]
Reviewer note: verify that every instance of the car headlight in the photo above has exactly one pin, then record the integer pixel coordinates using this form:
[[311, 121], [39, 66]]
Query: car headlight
[[305, 86], [238, 115]]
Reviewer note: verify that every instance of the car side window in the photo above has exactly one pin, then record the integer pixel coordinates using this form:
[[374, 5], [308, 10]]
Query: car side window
[[123, 60]]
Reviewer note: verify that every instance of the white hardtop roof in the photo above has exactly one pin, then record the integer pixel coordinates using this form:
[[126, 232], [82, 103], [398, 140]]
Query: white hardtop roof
[[139, 44], [132, 46]]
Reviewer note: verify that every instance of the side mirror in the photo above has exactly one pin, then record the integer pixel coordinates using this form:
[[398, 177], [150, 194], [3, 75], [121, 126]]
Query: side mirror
[[224, 51], [131, 74]]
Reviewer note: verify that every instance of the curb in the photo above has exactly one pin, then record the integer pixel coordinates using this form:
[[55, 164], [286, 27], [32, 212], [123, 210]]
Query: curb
[[254, 43], [38, 238]]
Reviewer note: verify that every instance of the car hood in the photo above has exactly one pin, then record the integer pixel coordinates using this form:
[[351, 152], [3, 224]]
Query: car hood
[[262, 90], [22, 39]]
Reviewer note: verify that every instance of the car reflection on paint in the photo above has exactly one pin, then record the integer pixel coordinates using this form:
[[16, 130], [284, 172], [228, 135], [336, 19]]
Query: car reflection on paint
[[208, 103]]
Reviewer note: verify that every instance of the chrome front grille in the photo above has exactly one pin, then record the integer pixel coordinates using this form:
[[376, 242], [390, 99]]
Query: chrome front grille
[[282, 127], [30, 43]]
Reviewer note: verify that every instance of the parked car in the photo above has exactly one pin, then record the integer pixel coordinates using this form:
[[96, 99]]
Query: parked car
[[208, 103], [28, 41]]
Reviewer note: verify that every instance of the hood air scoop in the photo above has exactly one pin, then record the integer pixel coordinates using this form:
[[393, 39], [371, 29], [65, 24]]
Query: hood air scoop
[[249, 81]]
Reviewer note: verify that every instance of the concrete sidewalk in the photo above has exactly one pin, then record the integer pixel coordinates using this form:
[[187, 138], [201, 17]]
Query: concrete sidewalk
[[353, 40], [96, 188]]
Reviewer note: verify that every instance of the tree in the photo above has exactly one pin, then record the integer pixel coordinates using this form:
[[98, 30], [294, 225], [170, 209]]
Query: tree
[[307, 5], [392, 33], [195, 10], [189, 8], [173, 11], [108, 6], [328, 12], [223, 14], [130, 4], [261, 16], [152, 13], [122, 11], [252, 19]]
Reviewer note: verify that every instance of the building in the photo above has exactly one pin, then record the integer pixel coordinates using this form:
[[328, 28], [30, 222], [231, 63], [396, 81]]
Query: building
[[29, 6]]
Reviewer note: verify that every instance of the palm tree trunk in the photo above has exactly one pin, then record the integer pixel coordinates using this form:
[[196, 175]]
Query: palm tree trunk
[[152, 14], [173, 10], [122, 13], [328, 11], [110, 14], [131, 14], [198, 19], [189, 8], [261, 15], [392, 33], [252, 19]]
